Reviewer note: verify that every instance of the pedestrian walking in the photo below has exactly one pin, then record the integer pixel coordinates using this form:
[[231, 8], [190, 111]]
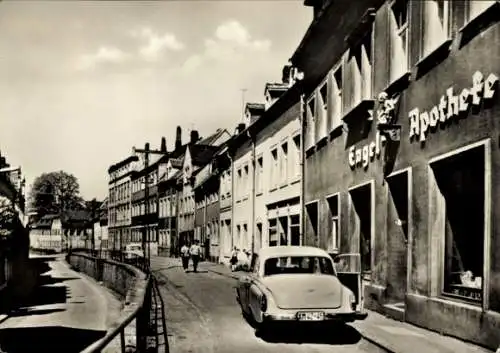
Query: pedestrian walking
[[234, 258], [195, 252], [185, 257]]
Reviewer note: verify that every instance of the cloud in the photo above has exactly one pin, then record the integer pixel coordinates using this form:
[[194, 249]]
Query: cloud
[[156, 44], [103, 55], [230, 42]]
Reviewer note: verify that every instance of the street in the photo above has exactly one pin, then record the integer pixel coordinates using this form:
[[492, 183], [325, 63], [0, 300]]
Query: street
[[203, 316]]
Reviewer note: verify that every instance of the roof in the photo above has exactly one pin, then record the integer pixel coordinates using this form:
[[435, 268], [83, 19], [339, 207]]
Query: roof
[[122, 163], [202, 154], [255, 108], [293, 250], [212, 138], [275, 89]]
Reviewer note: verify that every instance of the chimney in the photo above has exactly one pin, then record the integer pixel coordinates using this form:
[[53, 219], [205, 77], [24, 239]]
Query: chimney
[[178, 138], [287, 74], [194, 136], [163, 147]]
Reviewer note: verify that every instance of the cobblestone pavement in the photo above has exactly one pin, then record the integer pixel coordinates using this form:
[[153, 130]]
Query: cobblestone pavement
[[203, 316]]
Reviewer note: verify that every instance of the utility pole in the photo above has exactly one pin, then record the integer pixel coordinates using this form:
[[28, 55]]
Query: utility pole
[[145, 238]]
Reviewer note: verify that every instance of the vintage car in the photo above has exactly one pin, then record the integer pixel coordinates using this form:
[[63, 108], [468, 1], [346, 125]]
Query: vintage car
[[300, 284]]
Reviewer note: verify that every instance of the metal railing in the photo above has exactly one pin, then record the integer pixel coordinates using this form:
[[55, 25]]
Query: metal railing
[[147, 313]]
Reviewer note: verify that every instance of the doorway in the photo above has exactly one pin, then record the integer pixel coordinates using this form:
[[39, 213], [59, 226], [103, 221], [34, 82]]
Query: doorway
[[361, 201], [398, 219]]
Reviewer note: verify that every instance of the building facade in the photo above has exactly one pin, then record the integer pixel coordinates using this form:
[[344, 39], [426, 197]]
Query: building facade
[[225, 207], [400, 161], [266, 170], [119, 202]]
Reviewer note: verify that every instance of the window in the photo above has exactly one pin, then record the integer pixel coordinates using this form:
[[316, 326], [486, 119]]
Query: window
[[398, 39], [259, 175], [274, 169], [312, 217], [273, 232], [360, 68], [311, 122], [436, 26], [336, 98], [459, 193], [246, 181], [334, 205], [295, 165], [238, 184], [294, 230], [322, 119], [284, 162], [476, 7], [299, 265]]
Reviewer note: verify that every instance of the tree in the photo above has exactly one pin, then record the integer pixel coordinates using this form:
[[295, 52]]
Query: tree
[[55, 193], [7, 217]]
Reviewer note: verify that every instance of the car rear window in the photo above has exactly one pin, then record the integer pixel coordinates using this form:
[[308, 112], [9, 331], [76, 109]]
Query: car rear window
[[298, 264]]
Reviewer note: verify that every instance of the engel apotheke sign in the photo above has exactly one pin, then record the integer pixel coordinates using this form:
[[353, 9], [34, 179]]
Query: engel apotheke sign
[[451, 106]]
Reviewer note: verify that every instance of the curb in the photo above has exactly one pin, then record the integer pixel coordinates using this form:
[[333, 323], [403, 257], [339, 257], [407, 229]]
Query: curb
[[224, 274], [3, 317]]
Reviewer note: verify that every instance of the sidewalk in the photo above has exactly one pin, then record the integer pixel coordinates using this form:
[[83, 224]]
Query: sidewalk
[[65, 304], [391, 335]]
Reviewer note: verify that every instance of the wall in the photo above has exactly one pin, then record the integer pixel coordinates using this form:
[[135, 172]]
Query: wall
[[328, 172]]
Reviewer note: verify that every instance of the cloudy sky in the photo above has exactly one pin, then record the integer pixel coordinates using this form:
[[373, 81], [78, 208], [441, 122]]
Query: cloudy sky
[[83, 82]]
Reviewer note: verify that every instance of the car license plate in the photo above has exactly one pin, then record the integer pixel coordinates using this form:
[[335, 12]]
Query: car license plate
[[311, 316]]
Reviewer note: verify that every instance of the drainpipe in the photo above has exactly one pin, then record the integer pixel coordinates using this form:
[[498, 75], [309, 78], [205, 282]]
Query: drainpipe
[[252, 156], [233, 227], [302, 170]]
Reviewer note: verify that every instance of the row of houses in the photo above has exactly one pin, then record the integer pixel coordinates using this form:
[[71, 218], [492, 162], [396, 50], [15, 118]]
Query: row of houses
[[381, 140]]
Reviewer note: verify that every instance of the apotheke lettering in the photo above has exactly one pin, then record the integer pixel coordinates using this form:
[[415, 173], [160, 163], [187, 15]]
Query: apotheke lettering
[[451, 106]]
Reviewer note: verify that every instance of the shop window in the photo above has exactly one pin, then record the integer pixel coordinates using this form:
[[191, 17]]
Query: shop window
[[398, 39], [336, 97], [334, 208], [273, 232], [361, 201], [460, 190], [312, 218], [283, 230], [295, 230], [436, 24]]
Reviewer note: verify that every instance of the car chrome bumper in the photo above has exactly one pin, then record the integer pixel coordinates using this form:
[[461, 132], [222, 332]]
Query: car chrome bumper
[[340, 317]]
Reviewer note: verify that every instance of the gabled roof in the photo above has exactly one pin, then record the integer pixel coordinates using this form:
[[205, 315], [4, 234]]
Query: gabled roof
[[210, 140]]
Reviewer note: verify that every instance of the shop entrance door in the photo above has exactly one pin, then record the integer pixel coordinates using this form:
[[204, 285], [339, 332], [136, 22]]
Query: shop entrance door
[[398, 205]]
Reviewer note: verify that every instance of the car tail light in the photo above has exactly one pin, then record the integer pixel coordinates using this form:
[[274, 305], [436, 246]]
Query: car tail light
[[263, 303]]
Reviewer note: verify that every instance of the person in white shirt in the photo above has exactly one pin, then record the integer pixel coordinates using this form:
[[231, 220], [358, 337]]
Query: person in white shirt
[[195, 252], [185, 257]]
